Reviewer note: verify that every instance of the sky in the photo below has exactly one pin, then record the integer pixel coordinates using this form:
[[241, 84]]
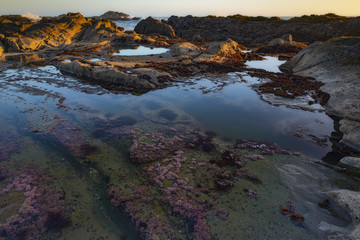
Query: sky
[[164, 8]]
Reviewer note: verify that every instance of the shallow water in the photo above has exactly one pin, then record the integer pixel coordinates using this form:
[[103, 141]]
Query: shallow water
[[140, 51], [270, 64], [50, 112], [127, 25]]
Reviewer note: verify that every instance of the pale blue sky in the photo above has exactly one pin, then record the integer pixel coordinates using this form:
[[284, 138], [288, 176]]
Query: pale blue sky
[[183, 7]]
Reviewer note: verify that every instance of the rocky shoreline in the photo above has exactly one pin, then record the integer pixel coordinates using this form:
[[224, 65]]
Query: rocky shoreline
[[255, 30], [327, 72]]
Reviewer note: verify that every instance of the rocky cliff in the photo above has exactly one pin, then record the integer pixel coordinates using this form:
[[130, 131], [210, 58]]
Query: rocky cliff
[[262, 30]]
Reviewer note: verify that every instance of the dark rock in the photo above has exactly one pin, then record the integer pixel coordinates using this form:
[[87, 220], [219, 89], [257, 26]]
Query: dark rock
[[153, 26], [262, 30], [115, 16]]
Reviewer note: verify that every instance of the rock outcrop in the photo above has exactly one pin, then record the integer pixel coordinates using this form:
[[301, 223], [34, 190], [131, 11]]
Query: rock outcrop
[[115, 16], [140, 80], [154, 26], [185, 49], [225, 48], [21, 34], [262, 30], [336, 63]]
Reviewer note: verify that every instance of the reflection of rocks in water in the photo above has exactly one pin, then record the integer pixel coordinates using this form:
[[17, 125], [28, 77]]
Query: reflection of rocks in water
[[168, 114], [152, 105], [30, 60]]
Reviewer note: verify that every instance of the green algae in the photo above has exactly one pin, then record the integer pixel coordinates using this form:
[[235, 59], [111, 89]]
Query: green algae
[[10, 203]]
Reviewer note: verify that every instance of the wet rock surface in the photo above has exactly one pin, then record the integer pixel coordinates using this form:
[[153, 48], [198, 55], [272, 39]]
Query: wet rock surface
[[335, 63]]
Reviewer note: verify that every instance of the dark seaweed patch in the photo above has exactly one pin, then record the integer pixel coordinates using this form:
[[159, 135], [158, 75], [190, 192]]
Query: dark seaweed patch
[[168, 114]]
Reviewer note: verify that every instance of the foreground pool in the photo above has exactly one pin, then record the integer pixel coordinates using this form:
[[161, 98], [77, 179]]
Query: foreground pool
[[171, 163]]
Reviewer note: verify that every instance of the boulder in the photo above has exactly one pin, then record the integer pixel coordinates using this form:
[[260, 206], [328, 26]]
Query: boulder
[[185, 49], [154, 26], [225, 49], [351, 161]]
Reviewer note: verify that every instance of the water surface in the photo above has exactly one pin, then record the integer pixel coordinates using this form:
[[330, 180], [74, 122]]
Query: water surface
[[140, 51], [36, 104]]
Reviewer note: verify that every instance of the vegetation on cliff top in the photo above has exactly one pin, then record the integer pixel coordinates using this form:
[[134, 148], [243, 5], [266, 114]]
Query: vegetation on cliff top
[[305, 18]]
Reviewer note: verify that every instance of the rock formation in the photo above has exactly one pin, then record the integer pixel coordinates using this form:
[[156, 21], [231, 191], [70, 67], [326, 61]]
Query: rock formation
[[336, 63], [21, 34], [248, 30], [154, 26], [115, 16]]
